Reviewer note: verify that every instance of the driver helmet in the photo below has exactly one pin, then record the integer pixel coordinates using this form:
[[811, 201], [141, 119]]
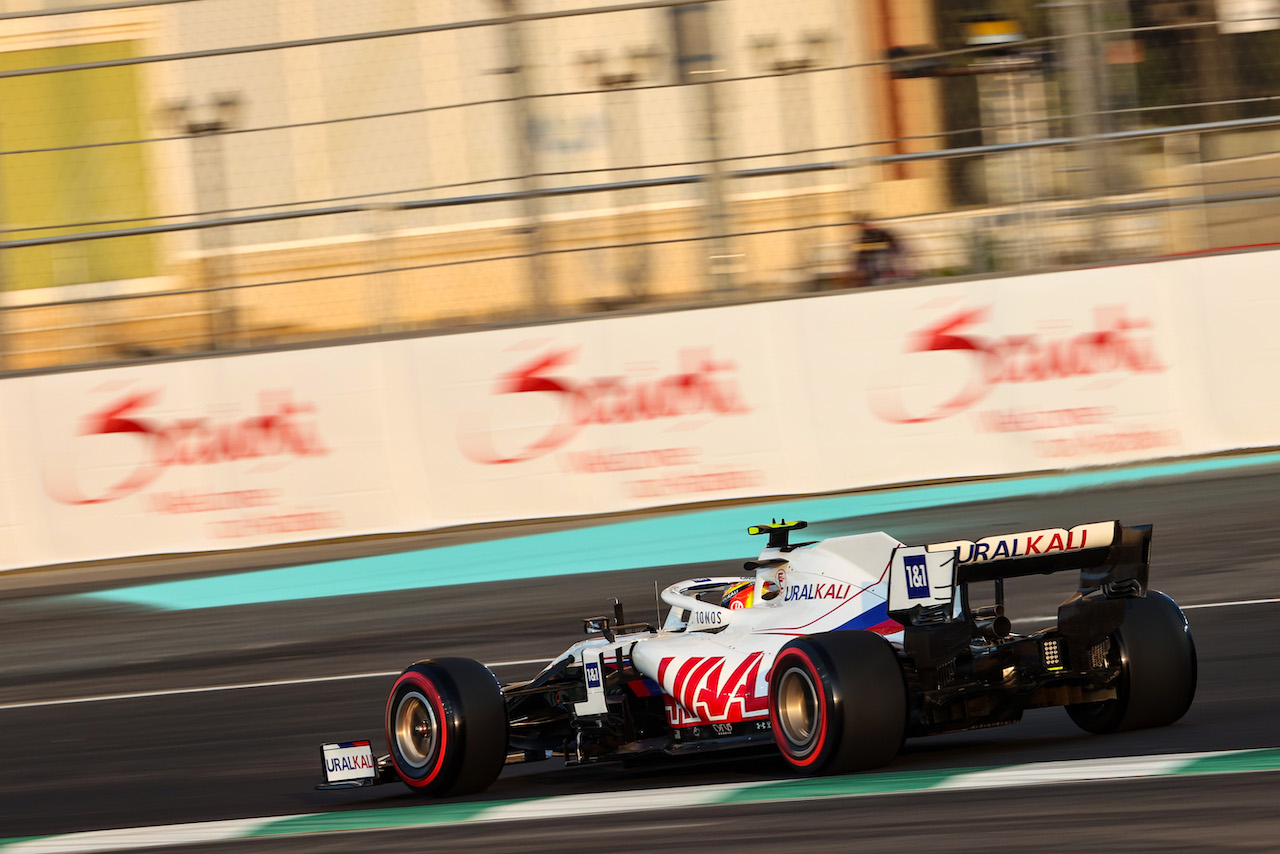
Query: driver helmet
[[738, 595]]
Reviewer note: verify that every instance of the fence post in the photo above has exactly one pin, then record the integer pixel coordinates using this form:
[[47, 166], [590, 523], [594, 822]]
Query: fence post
[[1076, 26], [4, 273], [207, 129], [526, 162], [697, 64]]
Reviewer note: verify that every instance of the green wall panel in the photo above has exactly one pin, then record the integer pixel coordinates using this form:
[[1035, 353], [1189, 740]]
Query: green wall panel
[[65, 190]]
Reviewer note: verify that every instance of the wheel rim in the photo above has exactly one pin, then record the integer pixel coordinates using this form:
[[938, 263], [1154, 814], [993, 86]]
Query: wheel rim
[[798, 705], [417, 730]]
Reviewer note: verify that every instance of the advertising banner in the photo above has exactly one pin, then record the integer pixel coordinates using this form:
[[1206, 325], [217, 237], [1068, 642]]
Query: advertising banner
[[830, 393], [208, 454], [601, 416], [1027, 374], [1232, 312], [19, 519]]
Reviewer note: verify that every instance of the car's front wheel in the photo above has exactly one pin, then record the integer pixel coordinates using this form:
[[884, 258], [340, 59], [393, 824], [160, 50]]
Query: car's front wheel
[[446, 726], [837, 702]]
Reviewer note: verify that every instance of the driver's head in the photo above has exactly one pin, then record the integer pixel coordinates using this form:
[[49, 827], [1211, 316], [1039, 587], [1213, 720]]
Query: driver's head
[[738, 595]]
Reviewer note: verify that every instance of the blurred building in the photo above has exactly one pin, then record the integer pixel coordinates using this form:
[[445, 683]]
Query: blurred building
[[182, 176]]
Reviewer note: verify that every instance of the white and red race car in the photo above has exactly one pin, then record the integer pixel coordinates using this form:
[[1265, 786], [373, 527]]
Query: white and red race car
[[834, 651]]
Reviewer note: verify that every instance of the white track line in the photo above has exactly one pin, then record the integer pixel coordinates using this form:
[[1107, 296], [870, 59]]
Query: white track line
[[383, 674], [1051, 617], [169, 692], [1231, 604]]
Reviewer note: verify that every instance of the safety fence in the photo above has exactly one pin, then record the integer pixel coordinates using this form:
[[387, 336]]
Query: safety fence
[[182, 177]]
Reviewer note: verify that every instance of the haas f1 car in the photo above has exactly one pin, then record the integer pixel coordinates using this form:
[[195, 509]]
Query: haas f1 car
[[831, 651]]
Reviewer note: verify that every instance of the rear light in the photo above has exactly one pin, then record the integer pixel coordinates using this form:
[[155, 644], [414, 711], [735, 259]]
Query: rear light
[[1051, 650]]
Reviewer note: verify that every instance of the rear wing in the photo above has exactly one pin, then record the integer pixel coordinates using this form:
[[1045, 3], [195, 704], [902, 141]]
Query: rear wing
[[929, 596], [1110, 557]]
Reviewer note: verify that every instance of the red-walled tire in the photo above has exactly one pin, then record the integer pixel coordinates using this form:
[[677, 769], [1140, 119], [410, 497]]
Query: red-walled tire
[[446, 726], [837, 702]]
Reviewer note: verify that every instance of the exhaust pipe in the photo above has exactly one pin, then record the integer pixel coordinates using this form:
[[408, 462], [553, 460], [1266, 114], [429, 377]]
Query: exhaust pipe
[[990, 622]]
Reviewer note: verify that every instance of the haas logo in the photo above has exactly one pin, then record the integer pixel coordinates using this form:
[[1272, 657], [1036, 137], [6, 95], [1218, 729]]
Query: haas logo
[[705, 690], [282, 429]]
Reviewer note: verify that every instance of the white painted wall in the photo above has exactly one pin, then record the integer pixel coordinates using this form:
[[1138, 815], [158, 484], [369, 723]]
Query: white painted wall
[[1079, 368]]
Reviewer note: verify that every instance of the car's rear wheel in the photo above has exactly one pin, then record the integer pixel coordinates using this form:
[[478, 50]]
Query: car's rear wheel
[[837, 702], [1158, 670], [446, 726]]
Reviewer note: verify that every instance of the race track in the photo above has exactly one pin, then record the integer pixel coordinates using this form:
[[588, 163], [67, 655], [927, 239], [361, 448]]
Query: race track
[[192, 747]]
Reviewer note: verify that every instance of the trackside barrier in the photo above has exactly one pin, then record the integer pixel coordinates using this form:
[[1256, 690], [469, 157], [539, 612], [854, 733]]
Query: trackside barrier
[[828, 393]]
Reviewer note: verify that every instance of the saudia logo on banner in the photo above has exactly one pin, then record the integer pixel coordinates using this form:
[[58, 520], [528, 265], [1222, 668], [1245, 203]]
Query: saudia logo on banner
[[700, 386], [1116, 344], [282, 428]]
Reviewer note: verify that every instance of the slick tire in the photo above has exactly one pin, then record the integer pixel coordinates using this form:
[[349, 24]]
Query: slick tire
[[1158, 670], [837, 702], [446, 726]]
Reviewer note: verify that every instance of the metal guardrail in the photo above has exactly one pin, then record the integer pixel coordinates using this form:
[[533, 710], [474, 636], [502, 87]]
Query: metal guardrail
[[1068, 141], [1100, 207], [419, 205], [671, 181]]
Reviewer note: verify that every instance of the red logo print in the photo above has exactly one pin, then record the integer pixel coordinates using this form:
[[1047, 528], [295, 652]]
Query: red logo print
[[702, 386], [281, 429], [1116, 344], [699, 691]]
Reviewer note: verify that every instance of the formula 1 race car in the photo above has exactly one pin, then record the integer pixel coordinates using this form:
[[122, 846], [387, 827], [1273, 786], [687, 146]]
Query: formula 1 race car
[[834, 651]]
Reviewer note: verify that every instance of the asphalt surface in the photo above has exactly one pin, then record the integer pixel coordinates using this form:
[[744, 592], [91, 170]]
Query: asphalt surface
[[253, 751]]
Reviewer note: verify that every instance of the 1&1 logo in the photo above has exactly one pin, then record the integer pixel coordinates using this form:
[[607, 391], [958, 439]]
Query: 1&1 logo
[[917, 577]]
